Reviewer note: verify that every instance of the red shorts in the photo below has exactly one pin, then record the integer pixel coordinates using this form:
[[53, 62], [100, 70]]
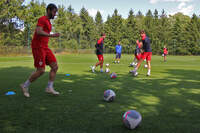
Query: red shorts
[[147, 56], [42, 57], [100, 57], [138, 56]]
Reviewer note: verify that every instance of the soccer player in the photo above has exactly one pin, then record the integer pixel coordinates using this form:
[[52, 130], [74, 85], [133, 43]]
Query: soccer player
[[41, 53], [99, 53], [165, 52], [118, 49], [146, 54]]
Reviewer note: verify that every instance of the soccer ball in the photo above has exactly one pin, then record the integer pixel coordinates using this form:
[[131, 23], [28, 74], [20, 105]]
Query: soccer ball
[[145, 66], [109, 95], [132, 119], [132, 64], [113, 75], [107, 70], [162, 54], [107, 65]]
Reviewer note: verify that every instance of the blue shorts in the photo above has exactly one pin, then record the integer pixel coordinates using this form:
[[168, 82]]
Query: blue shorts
[[118, 55]]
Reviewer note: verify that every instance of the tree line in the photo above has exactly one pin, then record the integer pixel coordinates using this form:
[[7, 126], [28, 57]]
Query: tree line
[[180, 33]]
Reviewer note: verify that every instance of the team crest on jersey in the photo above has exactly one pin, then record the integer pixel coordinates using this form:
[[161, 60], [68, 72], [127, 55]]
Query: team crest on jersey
[[40, 63]]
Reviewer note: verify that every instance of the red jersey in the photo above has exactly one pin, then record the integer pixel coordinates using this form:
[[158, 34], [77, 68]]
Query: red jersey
[[38, 40], [165, 51]]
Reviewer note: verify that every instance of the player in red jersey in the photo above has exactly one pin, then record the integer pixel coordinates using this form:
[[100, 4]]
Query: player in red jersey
[[165, 52], [41, 53], [145, 55], [99, 53]]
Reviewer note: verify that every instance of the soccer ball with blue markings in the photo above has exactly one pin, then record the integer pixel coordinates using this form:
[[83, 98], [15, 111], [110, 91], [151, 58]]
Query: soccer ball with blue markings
[[132, 119], [109, 95]]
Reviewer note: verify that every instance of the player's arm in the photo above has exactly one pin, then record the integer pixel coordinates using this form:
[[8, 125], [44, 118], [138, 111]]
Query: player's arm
[[40, 31]]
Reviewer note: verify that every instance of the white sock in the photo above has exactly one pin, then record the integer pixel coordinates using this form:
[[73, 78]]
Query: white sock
[[50, 84], [149, 70], [27, 83]]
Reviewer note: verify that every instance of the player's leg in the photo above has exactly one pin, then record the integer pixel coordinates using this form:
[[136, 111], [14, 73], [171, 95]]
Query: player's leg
[[39, 63], [116, 58], [101, 64], [51, 61], [119, 56], [142, 57], [25, 86], [149, 63], [164, 57]]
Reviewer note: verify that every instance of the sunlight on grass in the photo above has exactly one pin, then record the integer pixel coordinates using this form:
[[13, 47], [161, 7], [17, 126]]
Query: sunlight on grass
[[194, 91], [194, 102], [68, 80], [177, 110], [174, 91], [43, 108], [149, 100], [101, 106]]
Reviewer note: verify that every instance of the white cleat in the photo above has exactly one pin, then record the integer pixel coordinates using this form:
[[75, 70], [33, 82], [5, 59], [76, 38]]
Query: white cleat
[[92, 68], [148, 74], [25, 90], [135, 74], [52, 91]]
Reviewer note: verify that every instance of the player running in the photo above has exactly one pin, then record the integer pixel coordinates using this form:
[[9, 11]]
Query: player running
[[118, 49], [99, 53], [145, 55], [41, 53]]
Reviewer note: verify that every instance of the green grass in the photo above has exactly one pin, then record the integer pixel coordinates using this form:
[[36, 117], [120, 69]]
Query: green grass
[[168, 100]]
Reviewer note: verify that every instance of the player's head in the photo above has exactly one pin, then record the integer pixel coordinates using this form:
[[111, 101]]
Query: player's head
[[103, 35], [142, 34], [119, 42], [51, 10]]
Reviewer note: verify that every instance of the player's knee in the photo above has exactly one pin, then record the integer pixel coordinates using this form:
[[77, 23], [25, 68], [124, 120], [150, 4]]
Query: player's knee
[[41, 71], [55, 68]]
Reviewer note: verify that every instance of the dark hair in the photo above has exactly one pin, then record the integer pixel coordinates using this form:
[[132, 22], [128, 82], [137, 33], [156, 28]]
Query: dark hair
[[103, 34], [142, 31], [51, 7]]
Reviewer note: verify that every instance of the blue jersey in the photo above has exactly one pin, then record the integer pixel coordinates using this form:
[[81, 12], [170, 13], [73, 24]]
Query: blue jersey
[[147, 45], [118, 48]]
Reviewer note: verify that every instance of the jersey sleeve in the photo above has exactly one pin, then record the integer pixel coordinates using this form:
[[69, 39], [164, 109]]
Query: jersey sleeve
[[41, 22], [100, 40]]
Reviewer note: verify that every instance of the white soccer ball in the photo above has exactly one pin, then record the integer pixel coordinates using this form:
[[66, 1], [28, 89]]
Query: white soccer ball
[[109, 95], [162, 54], [145, 66], [107, 65], [132, 119], [132, 63], [107, 70]]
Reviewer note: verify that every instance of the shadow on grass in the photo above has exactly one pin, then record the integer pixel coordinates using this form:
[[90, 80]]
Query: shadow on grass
[[170, 104]]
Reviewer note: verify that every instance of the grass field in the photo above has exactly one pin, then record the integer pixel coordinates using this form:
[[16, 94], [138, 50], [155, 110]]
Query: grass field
[[168, 100]]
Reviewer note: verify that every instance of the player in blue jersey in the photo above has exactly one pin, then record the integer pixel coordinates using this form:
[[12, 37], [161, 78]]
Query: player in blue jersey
[[118, 49]]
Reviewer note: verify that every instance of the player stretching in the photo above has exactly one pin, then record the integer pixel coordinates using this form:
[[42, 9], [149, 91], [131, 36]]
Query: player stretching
[[145, 55], [41, 53], [99, 52], [118, 49], [165, 52]]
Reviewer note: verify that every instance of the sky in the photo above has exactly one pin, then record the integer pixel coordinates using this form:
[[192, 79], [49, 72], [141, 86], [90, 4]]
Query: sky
[[107, 7]]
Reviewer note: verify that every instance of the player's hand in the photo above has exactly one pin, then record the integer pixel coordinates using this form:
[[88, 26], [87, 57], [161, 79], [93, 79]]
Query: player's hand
[[55, 35]]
